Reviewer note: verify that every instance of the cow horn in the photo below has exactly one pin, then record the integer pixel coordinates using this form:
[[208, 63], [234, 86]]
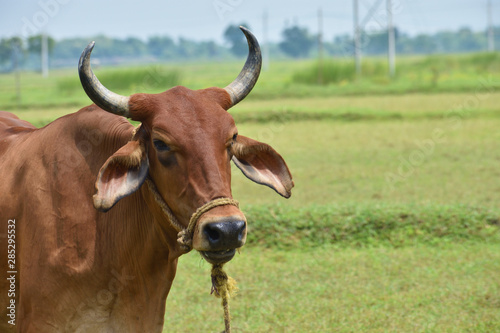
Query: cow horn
[[241, 87], [98, 93]]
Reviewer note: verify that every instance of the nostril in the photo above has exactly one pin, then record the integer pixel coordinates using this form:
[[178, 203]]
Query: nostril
[[240, 227], [212, 233]]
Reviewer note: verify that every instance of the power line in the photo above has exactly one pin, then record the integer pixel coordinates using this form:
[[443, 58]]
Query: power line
[[371, 13]]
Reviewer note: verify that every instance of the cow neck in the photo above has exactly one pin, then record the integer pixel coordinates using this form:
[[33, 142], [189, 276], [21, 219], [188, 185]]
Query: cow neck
[[185, 235]]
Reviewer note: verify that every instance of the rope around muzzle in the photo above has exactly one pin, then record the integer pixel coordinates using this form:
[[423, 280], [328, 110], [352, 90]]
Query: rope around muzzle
[[185, 237], [223, 286]]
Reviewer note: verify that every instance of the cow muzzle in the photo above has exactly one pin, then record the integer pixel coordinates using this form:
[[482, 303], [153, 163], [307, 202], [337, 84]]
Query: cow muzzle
[[217, 237], [216, 229]]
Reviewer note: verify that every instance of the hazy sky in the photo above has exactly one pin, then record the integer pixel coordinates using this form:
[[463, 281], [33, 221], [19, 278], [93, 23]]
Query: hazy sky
[[207, 19]]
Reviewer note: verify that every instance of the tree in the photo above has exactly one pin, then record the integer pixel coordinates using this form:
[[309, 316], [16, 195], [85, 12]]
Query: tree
[[211, 49], [469, 41], [5, 51], [187, 49], [162, 47], [10, 51], [297, 42], [134, 47], [35, 44], [236, 39], [377, 43], [423, 43]]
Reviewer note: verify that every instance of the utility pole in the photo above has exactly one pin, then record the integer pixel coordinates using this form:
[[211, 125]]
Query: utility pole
[[491, 35], [45, 55], [391, 51], [265, 54], [357, 39], [320, 46]]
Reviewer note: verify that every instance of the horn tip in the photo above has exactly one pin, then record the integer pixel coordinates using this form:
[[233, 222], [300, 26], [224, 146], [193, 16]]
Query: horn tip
[[85, 55], [245, 30], [90, 46]]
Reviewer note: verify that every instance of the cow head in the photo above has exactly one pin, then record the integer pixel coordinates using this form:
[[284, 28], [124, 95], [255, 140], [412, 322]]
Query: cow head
[[184, 145]]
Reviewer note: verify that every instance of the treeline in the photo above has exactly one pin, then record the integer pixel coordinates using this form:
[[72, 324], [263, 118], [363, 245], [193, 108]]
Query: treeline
[[66, 52], [296, 42], [461, 41]]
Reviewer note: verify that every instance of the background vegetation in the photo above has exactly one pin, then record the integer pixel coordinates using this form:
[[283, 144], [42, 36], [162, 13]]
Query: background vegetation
[[393, 225], [296, 42]]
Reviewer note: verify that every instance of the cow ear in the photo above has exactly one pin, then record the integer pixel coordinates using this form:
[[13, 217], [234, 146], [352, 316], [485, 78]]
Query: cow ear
[[262, 164], [121, 175]]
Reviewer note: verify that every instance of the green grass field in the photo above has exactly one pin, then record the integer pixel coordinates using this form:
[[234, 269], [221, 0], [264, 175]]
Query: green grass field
[[448, 288], [393, 225]]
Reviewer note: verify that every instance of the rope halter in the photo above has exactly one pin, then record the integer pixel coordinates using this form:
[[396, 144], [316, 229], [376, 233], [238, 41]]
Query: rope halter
[[185, 235]]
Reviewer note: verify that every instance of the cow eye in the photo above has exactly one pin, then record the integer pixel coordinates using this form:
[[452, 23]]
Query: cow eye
[[161, 146], [235, 136]]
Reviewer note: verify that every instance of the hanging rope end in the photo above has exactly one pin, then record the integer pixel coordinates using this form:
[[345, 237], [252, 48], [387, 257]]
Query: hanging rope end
[[223, 286]]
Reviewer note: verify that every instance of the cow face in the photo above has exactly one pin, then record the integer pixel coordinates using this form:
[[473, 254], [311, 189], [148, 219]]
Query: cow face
[[185, 145]]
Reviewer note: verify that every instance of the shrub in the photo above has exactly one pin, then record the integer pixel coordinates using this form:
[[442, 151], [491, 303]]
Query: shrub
[[129, 80], [284, 227]]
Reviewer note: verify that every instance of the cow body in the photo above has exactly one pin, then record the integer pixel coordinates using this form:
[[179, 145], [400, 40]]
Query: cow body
[[98, 211], [78, 269]]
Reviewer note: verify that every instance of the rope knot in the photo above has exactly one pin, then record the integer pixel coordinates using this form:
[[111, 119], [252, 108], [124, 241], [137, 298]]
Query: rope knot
[[184, 240]]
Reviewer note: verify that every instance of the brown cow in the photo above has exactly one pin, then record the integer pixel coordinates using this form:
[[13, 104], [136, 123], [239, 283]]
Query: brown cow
[[91, 206]]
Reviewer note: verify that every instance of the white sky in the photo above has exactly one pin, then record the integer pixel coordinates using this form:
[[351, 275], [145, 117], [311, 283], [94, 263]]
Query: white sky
[[207, 19]]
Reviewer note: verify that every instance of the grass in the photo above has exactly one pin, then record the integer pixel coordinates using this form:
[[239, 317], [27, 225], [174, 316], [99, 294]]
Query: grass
[[374, 162], [415, 106], [428, 71], [447, 288], [339, 71], [137, 79]]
